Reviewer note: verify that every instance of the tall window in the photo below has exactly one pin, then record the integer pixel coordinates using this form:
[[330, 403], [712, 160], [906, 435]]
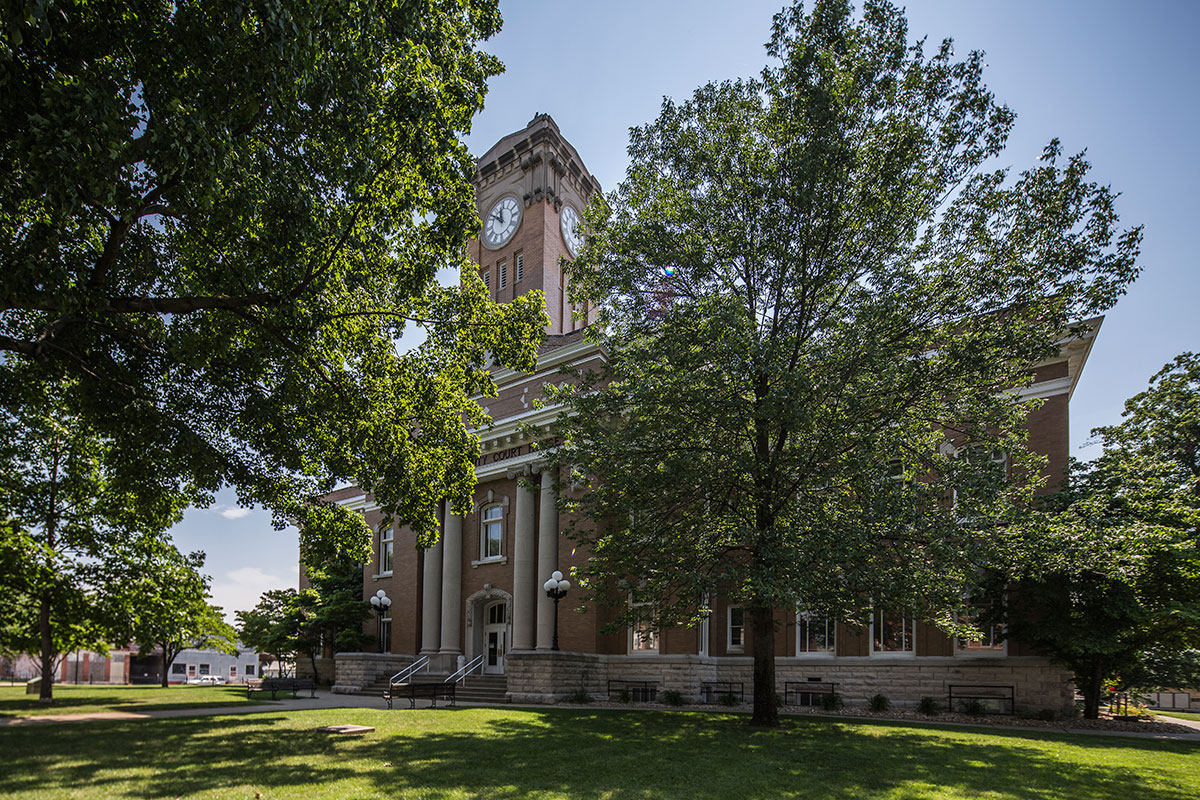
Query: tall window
[[814, 634], [992, 641], [643, 638], [385, 634], [518, 267], [492, 532], [893, 633], [502, 267], [487, 279], [737, 629], [386, 541]]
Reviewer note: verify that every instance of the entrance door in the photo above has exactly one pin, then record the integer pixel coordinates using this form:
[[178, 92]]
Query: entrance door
[[495, 633]]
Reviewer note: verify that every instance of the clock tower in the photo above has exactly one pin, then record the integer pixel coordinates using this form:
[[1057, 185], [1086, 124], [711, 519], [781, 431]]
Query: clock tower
[[531, 188]]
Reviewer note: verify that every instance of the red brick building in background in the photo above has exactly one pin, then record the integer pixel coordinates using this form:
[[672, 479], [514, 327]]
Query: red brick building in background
[[475, 599]]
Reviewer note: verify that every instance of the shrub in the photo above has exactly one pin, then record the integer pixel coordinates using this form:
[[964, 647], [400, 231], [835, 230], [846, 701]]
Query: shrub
[[624, 696], [879, 702], [1047, 715], [831, 702], [728, 699], [928, 706], [973, 708], [672, 698], [579, 696]]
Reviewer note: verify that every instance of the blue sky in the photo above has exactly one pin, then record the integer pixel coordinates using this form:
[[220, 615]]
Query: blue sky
[[1117, 78]]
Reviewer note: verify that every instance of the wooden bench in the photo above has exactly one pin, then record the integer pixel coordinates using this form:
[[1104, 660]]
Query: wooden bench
[[992, 698], [639, 691], [277, 685], [807, 693], [412, 691], [711, 691]]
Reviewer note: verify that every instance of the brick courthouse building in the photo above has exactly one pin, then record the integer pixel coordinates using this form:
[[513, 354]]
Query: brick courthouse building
[[477, 594]]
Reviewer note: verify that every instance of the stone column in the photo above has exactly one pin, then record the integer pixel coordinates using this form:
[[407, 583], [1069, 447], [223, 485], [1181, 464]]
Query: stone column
[[452, 583], [431, 600], [524, 563], [547, 559]]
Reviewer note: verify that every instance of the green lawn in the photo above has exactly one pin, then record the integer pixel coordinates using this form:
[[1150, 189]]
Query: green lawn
[[562, 753], [1180, 714], [89, 699]]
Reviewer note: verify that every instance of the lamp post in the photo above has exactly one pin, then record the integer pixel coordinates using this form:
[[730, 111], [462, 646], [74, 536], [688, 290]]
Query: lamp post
[[381, 603], [556, 589]]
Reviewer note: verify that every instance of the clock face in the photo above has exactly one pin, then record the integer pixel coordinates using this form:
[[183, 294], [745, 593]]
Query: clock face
[[502, 222], [571, 234]]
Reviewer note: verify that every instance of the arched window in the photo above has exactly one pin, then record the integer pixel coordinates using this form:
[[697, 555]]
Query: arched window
[[386, 541]]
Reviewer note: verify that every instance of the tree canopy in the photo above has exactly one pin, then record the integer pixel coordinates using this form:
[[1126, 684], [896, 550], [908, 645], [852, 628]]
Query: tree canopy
[[217, 219], [814, 294], [158, 599], [69, 506], [1132, 616]]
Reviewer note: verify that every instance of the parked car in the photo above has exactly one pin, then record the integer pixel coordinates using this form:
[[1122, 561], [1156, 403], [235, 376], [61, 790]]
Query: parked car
[[206, 679]]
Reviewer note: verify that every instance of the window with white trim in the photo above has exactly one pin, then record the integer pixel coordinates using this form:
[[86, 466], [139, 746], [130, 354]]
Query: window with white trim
[[893, 633], [249, 670], [386, 543], [487, 279], [986, 456], [705, 626], [502, 269], [518, 267], [736, 627], [204, 669], [179, 669], [992, 643], [385, 634], [815, 634], [643, 638], [491, 532]]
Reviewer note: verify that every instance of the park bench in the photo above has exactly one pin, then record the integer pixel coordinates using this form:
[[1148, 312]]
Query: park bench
[[807, 693], [413, 691], [638, 691], [717, 690], [992, 698], [277, 685]]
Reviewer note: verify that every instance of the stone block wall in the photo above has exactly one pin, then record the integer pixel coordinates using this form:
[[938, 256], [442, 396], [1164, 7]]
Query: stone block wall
[[540, 677], [356, 671]]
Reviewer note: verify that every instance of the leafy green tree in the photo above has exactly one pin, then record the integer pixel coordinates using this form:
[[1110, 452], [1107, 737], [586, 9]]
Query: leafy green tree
[[68, 505], [218, 217], [273, 626], [806, 284], [1132, 617], [158, 598], [332, 609]]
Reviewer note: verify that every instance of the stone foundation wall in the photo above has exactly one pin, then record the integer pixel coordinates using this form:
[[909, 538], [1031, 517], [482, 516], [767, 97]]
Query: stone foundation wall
[[356, 671], [326, 670], [540, 677]]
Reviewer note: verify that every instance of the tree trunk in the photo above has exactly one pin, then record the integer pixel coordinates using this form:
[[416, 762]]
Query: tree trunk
[[46, 694], [166, 665], [762, 631], [1091, 691]]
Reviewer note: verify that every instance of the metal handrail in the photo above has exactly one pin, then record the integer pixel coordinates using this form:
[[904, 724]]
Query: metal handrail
[[464, 671], [409, 671]]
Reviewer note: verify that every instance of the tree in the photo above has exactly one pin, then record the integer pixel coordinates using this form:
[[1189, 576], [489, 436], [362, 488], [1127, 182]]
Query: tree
[[218, 218], [806, 285], [68, 504], [273, 626], [332, 609], [159, 598], [1133, 617]]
